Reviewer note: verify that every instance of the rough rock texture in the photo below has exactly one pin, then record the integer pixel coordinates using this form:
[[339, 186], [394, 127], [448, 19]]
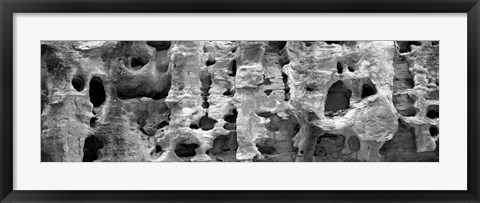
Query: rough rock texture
[[240, 101]]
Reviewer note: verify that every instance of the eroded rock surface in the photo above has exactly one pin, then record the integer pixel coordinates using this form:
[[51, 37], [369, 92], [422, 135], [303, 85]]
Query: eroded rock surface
[[229, 101]]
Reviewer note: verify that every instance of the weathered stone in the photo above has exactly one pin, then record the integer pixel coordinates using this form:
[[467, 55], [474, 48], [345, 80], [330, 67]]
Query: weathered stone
[[239, 101]]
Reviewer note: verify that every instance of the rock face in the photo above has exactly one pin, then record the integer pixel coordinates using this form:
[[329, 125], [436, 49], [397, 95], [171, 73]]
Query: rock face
[[227, 101]]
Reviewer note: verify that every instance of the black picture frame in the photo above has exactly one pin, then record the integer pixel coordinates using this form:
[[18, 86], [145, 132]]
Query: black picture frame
[[9, 7]]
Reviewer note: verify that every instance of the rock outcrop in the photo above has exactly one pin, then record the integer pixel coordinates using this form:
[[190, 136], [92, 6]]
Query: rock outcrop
[[226, 101]]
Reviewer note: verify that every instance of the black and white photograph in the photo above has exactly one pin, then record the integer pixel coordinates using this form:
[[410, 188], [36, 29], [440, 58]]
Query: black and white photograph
[[239, 101]]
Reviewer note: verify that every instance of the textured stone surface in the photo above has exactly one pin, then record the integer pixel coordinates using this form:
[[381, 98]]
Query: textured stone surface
[[239, 101]]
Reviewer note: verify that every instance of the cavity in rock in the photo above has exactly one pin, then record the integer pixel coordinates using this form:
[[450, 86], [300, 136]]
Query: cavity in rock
[[91, 147], [78, 83], [97, 92], [338, 97], [185, 150]]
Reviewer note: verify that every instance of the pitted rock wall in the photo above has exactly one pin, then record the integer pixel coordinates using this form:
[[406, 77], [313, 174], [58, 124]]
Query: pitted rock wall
[[227, 101]]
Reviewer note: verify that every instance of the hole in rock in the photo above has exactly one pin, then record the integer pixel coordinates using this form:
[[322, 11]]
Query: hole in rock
[[138, 62], [307, 43], [339, 68], [91, 147], [265, 114], [159, 45], [433, 130], [334, 42], [287, 88], [433, 111], [205, 104], [405, 46], [310, 88], [351, 69], [368, 90], [301, 151], [268, 92], [194, 126], [277, 44], [230, 126], [207, 123], [266, 147], [210, 62], [354, 143], [97, 92], [206, 80], [162, 124], [338, 97], [158, 149], [233, 69], [234, 49], [185, 150], [78, 83], [266, 81], [92, 121], [435, 43], [228, 93], [232, 117]]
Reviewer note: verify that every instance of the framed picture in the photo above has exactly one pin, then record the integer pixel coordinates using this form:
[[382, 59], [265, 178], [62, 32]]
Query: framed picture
[[315, 101]]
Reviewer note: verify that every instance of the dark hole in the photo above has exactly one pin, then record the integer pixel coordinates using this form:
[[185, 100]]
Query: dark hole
[[339, 68], [351, 69], [368, 90], [228, 93], [91, 147], [277, 44], [143, 131], [230, 126], [287, 88], [205, 104], [211, 62], [207, 123], [233, 70], [266, 149], [309, 89], [159, 45], [265, 114], [138, 62], [338, 97], [234, 49], [162, 124], [435, 42], [433, 111], [92, 121], [194, 126], [433, 130], [387, 147], [268, 92], [301, 151], [231, 118], [158, 149], [78, 83], [97, 92], [334, 42], [296, 128], [185, 150], [405, 46], [308, 44], [266, 81]]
